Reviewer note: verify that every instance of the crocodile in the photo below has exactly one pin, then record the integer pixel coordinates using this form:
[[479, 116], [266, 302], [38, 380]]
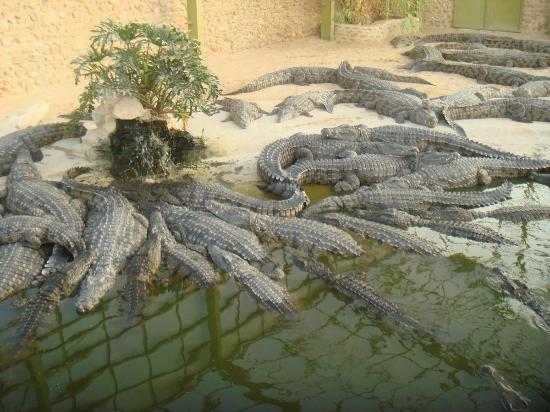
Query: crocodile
[[19, 265], [424, 53], [293, 75], [36, 231], [280, 154], [387, 75], [348, 79], [489, 40], [467, 172], [203, 229], [349, 173], [29, 195], [392, 236], [467, 97], [34, 138], [538, 88], [520, 291], [241, 112], [141, 270], [302, 105], [499, 57], [308, 235], [115, 231], [465, 230], [409, 199], [511, 399], [521, 109], [354, 286], [481, 72], [395, 104], [423, 139], [543, 178], [516, 214], [179, 257], [264, 290], [193, 194], [404, 41], [59, 285]]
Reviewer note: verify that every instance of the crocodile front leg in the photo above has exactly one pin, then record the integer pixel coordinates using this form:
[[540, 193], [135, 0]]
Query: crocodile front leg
[[348, 184], [518, 112]]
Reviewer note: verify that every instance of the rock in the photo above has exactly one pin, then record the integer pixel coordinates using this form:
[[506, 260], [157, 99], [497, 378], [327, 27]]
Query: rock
[[30, 116], [128, 108]]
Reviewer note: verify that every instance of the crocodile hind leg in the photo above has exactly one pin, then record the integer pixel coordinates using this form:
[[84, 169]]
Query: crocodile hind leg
[[303, 153], [518, 113], [348, 184]]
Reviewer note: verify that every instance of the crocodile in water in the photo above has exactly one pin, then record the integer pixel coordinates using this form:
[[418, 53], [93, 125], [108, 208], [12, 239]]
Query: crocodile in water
[[302, 234], [264, 290], [114, 231]]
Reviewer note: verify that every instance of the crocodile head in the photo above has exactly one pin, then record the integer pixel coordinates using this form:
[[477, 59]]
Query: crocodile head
[[223, 259], [424, 117]]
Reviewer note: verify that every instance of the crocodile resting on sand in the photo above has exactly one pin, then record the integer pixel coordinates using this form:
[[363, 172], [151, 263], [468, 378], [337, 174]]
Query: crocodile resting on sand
[[516, 214], [521, 109], [499, 57], [33, 138], [293, 75], [241, 112], [539, 88]]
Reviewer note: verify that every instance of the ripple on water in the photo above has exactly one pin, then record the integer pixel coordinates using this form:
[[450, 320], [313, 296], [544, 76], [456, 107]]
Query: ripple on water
[[215, 350]]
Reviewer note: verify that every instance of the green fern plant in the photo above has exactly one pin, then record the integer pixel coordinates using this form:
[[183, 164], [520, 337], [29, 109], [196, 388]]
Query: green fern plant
[[160, 66]]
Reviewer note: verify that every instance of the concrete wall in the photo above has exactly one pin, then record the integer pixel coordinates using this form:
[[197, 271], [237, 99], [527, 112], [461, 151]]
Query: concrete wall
[[39, 38], [535, 17]]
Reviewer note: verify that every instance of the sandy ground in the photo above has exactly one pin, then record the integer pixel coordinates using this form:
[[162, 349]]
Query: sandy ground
[[238, 149]]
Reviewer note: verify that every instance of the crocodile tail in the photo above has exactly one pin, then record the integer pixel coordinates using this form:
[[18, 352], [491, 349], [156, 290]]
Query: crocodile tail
[[135, 293], [268, 293], [455, 126], [34, 314]]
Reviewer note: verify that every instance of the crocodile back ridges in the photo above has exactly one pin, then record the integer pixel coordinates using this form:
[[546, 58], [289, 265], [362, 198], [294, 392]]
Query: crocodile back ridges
[[348, 79], [448, 227], [57, 286], [409, 199], [264, 290], [368, 168], [314, 237], [203, 229], [416, 136], [386, 75], [19, 264], [395, 237], [535, 46], [114, 233], [467, 172], [296, 75], [519, 108]]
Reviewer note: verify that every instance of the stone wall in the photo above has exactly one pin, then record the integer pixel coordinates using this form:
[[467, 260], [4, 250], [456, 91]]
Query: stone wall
[[231, 25], [535, 16], [40, 38], [376, 32]]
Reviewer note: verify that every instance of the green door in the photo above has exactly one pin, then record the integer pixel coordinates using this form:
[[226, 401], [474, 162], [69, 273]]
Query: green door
[[502, 15]]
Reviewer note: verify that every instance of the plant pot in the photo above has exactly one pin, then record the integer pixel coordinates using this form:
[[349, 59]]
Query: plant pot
[[140, 148]]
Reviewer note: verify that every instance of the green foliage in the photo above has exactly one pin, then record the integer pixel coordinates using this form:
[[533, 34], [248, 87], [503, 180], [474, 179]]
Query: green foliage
[[367, 11], [160, 66]]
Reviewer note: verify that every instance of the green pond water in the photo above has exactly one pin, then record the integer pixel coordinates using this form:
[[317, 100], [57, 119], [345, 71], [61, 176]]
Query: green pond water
[[215, 350]]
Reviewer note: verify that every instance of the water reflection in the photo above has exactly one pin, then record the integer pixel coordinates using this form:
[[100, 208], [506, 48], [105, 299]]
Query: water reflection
[[215, 350]]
